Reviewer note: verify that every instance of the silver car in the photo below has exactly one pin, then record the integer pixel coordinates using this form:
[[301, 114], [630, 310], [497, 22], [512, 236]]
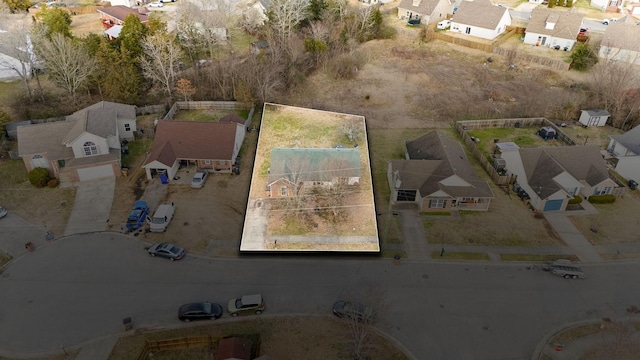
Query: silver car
[[199, 178]]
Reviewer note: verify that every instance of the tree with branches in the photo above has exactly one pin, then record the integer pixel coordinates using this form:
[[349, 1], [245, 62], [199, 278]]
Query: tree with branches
[[160, 59], [285, 15]]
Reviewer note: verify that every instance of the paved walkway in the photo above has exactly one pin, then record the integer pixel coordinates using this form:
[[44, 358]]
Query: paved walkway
[[92, 206], [580, 246]]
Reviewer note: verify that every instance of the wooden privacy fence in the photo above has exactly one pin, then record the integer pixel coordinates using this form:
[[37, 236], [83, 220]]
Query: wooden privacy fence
[[177, 344], [439, 35], [520, 56]]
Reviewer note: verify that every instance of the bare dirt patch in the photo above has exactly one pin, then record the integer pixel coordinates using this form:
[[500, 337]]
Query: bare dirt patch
[[85, 24]]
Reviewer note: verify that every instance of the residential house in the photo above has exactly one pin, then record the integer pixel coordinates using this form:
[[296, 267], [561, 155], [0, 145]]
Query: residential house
[[552, 176], [15, 51], [611, 6], [437, 176], [620, 41], [212, 146], [86, 146], [633, 8], [115, 15], [626, 149], [553, 28], [480, 18], [427, 11], [127, 3], [593, 117], [295, 171]]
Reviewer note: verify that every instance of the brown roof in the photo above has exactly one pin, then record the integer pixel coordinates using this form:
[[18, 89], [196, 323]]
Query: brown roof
[[192, 140], [480, 13], [567, 23], [622, 34], [121, 12], [234, 348]]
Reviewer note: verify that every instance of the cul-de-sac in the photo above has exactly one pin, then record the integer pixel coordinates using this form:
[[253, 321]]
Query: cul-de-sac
[[319, 179]]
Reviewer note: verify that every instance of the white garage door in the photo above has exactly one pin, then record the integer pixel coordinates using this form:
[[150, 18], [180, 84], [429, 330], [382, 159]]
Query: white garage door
[[96, 172]]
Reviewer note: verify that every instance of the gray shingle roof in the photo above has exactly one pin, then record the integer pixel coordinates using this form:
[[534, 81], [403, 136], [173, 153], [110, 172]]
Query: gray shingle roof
[[45, 138], [480, 13], [99, 119], [424, 7], [622, 34], [567, 23], [435, 157], [597, 112], [630, 140], [316, 164]]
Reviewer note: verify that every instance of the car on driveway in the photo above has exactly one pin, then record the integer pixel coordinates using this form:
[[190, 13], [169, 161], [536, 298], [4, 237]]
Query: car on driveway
[[353, 310], [3, 212], [199, 178], [200, 311], [138, 215], [166, 250], [156, 4], [161, 218], [246, 304], [609, 21]]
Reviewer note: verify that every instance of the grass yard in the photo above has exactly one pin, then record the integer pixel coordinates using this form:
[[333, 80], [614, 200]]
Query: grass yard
[[615, 223], [459, 256], [208, 115], [523, 137]]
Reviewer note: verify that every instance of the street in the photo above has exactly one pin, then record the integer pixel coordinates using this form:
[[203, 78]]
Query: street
[[81, 287]]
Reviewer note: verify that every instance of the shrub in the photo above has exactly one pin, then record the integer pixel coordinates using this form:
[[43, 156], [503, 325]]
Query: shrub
[[38, 177], [602, 199], [345, 66], [583, 57], [53, 183], [576, 200]]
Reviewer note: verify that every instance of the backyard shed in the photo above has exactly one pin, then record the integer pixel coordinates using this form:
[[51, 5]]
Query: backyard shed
[[594, 117]]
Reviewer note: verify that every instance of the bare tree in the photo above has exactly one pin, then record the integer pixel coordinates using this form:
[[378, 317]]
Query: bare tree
[[160, 60], [285, 15], [69, 64], [21, 57]]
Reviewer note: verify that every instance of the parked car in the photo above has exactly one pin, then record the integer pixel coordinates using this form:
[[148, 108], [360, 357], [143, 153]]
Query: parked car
[[3, 212], [413, 22], [632, 184], [444, 24], [353, 310], [166, 250], [161, 218], [199, 178], [246, 304], [200, 311], [166, 1], [156, 4], [609, 21], [503, 6], [138, 215]]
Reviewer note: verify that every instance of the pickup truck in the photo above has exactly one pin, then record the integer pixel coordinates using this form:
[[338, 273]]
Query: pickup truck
[[138, 215]]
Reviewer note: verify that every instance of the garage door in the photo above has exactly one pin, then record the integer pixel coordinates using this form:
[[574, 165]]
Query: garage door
[[553, 205], [96, 172]]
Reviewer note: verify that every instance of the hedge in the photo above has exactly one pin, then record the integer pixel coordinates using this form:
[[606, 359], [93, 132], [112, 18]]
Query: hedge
[[576, 200], [602, 199]]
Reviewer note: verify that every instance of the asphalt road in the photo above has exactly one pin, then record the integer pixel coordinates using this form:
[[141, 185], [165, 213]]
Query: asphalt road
[[81, 287]]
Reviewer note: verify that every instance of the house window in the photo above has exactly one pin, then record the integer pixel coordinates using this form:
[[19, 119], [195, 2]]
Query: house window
[[613, 3], [437, 203], [468, 200], [406, 195], [90, 148], [127, 127], [222, 162], [283, 191], [207, 162]]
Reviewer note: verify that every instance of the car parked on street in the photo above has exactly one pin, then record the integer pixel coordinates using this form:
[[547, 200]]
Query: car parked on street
[[166, 250], [246, 304], [161, 218], [353, 310], [156, 4], [3, 212], [138, 215], [199, 179], [200, 311]]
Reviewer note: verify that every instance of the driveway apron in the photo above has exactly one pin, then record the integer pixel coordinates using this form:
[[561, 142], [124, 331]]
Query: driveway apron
[[415, 240], [573, 238], [92, 206]]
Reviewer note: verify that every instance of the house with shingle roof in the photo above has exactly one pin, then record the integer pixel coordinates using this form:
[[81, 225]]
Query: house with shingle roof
[[620, 41], [86, 146], [480, 18], [115, 15], [211, 146], [553, 28], [552, 176], [437, 176], [295, 171], [427, 11], [626, 149]]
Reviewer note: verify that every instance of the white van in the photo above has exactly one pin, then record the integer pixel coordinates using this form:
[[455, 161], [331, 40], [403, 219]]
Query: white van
[[161, 218], [444, 24]]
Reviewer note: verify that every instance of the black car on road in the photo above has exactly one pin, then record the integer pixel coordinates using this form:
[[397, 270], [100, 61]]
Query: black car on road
[[200, 311]]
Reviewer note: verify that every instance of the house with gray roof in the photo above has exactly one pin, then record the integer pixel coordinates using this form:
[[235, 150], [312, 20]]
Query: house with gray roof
[[626, 149], [553, 28], [620, 41], [437, 176], [427, 11], [480, 18], [296, 171], [85, 146], [552, 176]]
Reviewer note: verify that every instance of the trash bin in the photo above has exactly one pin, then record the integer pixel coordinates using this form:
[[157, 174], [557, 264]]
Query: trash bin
[[127, 324]]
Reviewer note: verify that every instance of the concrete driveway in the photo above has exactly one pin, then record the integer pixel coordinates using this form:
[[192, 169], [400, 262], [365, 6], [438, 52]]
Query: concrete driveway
[[91, 207]]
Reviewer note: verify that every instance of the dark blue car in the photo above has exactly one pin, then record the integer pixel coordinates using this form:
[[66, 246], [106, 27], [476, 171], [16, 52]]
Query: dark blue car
[[138, 215]]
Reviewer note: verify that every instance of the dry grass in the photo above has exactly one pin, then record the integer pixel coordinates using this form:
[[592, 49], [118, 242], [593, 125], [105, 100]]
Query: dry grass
[[614, 222], [280, 338]]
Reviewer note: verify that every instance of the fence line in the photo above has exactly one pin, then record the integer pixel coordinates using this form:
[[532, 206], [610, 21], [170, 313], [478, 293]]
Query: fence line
[[177, 344], [439, 35], [516, 55], [205, 105]]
